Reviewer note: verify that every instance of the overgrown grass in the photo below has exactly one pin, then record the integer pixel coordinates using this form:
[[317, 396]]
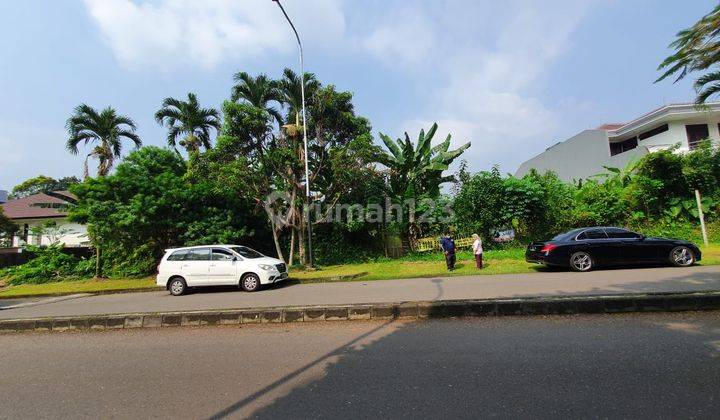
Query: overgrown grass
[[711, 254], [507, 261]]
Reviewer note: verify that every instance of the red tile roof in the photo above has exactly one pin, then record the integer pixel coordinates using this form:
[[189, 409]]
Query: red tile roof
[[39, 206], [610, 126]]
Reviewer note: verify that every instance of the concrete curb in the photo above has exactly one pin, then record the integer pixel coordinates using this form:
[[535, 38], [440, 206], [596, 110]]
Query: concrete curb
[[555, 305]]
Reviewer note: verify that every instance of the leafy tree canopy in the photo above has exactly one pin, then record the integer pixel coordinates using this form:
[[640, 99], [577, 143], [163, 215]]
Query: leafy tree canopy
[[42, 183], [149, 205]]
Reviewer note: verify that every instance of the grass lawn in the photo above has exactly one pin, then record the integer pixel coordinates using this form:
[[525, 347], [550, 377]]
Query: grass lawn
[[427, 265], [77, 286], [510, 261]]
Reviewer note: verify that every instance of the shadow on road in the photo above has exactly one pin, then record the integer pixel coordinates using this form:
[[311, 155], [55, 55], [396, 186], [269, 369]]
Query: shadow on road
[[594, 366]]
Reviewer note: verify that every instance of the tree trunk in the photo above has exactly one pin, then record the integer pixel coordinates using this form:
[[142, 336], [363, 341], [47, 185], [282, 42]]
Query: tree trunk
[[301, 240], [276, 239], [292, 246], [98, 262]]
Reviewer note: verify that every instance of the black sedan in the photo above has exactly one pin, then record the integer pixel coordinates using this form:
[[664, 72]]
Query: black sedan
[[587, 248]]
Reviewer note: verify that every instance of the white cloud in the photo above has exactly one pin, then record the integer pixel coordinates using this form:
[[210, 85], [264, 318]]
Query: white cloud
[[480, 64], [403, 36], [488, 91], [166, 34]]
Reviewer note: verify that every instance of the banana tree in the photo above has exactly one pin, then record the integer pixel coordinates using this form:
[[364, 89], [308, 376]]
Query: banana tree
[[416, 171]]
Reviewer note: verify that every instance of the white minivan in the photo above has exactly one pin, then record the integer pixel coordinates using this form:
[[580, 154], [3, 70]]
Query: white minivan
[[216, 265]]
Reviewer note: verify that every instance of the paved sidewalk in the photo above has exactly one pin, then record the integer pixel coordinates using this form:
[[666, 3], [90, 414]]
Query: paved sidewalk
[[604, 282]]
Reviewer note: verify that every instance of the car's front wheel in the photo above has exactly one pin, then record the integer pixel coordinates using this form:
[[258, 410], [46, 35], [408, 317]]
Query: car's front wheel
[[682, 256], [177, 286], [581, 261], [250, 282]]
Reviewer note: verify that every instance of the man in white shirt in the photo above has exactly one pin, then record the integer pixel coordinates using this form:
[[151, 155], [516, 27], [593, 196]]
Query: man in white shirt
[[477, 250]]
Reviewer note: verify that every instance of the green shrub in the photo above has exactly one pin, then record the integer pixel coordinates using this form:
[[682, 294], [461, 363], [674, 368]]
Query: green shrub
[[50, 264]]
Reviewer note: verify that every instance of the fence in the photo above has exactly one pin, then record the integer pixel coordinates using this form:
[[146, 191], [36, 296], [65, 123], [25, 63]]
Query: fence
[[433, 244]]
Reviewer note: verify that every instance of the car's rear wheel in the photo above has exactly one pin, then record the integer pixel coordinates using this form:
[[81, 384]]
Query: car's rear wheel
[[682, 256], [177, 286], [250, 282], [581, 261]]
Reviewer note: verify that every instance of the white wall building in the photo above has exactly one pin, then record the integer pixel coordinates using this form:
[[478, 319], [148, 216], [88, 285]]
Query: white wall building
[[34, 212], [585, 154]]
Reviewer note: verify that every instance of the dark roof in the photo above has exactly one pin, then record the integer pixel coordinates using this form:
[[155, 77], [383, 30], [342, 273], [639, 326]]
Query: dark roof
[[38, 206]]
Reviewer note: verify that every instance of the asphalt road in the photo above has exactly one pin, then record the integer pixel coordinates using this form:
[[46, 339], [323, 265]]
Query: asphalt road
[[621, 366], [601, 282]]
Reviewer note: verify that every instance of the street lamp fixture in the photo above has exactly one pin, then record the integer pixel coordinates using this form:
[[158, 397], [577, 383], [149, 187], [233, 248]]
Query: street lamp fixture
[[304, 129]]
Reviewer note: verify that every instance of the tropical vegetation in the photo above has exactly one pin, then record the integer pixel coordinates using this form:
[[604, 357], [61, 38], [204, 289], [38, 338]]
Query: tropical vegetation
[[42, 184], [248, 185], [187, 119], [697, 50], [106, 129]]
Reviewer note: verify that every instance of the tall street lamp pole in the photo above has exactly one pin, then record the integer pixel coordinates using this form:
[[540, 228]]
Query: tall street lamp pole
[[305, 142]]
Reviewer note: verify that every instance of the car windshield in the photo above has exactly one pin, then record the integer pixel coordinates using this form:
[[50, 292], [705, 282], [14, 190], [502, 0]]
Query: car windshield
[[566, 235], [246, 252]]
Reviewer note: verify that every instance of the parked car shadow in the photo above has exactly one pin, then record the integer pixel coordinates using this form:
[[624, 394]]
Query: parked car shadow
[[230, 288], [554, 269]]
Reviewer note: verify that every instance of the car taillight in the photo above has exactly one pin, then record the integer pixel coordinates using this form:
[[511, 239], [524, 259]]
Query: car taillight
[[547, 248]]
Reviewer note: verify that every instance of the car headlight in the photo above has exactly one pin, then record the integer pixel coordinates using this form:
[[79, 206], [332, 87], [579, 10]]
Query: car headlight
[[266, 267]]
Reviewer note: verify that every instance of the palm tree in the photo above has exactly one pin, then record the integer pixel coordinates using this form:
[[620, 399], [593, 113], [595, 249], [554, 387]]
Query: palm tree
[[289, 87], [188, 119], [697, 49], [106, 128], [258, 91]]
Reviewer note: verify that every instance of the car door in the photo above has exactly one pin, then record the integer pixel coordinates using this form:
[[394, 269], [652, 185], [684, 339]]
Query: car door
[[596, 242], [173, 265], [196, 266], [223, 267], [631, 247]]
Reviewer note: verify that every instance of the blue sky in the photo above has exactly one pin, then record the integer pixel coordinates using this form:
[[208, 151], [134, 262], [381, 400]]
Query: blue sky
[[513, 77]]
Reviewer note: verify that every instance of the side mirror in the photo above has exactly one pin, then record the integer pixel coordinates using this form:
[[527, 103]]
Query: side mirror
[[642, 237], [234, 259]]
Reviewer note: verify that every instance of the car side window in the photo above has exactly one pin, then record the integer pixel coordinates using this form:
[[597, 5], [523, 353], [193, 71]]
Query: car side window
[[592, 234], [201, 254], [616, 233], [178, 255], [219, 254]]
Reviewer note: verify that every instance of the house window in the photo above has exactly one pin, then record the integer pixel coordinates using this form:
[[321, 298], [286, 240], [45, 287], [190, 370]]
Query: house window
[[654, 132], [623, 146], [695, 134]]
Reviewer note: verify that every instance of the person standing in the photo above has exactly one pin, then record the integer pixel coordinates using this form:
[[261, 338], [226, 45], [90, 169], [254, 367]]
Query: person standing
[[448, 246], [478, 250]]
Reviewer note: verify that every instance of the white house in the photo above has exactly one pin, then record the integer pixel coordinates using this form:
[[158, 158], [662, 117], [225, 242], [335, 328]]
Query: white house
[[42, 219], [585, 154]]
